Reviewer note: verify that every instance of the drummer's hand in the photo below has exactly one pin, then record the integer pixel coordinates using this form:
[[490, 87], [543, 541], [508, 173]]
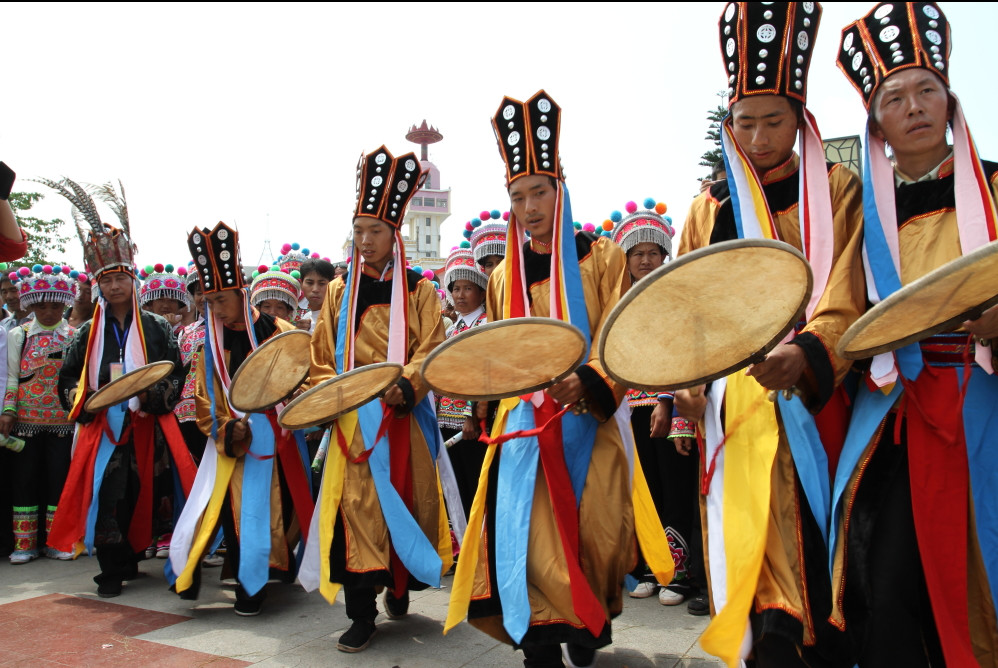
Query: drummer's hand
[[691, 404], [481, 410], [241, 429], [985, 327], [394, 396], [661, 420], [470, 430], [6, 422], [304, 323], [781, 369], [567, 391], [684, 446]]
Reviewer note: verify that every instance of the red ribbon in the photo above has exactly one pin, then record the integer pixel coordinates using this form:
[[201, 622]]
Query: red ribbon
[[294, 473], [524, 433], [400, 473]]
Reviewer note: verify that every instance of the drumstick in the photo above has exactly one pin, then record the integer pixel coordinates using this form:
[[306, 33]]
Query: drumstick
[[454, 440]]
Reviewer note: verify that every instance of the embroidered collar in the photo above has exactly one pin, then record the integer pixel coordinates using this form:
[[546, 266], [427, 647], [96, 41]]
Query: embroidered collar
[[470, 318], [940, 170], [34, 327], [781, 171]]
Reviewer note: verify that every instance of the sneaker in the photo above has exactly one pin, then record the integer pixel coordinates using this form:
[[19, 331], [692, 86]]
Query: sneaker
[[163, 546], [644, 590], [151, 551], [357, 637], [109, 589], [247, 608], [53, 553], [698, 606], [576, 656], [23, 556], [396, 608], [213, 560], [668, 597]]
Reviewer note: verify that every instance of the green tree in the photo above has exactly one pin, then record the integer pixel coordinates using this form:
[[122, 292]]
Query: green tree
[[46, 243], [716, 117]]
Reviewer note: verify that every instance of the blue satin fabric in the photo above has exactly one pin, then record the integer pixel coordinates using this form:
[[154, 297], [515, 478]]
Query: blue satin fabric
[[809, 458], [254, 513], [980, 424], [116, 420], [411, 545]]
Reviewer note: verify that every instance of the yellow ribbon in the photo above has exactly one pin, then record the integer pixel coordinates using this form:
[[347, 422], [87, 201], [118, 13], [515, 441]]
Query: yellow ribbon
[[464, 577], [224, 467], [333, 473], [648, 527], [751, 439]]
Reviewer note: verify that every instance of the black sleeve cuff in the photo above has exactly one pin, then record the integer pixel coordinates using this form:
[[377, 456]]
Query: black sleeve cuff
[[408, 395], [7, 177], [230, 450], [160, 398], [598, 393], [820, 375]]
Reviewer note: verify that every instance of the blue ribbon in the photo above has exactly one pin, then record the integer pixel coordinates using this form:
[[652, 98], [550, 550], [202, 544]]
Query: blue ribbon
[[810, 458], [514, 502], [575, 296], [869, 411], [411, 545], [980, 424], [736, 207], [254, 515], [116, 420], [885, 276]]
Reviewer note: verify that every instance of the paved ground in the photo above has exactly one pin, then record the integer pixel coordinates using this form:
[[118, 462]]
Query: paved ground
[[50, 615]]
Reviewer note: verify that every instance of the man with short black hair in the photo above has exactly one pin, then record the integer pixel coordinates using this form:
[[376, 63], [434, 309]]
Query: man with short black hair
[[316, 275]]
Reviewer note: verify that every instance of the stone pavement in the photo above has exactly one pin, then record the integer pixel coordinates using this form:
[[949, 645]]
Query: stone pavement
[[50, 615]]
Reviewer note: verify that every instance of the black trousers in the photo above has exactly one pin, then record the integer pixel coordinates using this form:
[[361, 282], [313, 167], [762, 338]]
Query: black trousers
[[361, 603], [116, 501], [40, 469]]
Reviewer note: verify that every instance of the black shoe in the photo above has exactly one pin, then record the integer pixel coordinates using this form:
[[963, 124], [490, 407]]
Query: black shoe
[[247, 607], [357, 637], [396, 608], [109, 589], [576, 656], [698, 606]]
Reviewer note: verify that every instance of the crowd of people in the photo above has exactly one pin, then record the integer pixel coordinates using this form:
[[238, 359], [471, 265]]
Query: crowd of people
[[851, 519]]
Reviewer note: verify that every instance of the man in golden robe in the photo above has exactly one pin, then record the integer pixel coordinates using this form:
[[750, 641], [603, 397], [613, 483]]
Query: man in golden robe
[[768, 463], [380, 521], [916, 492], [253, 481], [551, 534]]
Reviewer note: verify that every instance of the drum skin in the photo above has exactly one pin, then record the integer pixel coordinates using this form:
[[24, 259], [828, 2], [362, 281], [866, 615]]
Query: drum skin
[[128, 385], [272, 372], [332, 398]]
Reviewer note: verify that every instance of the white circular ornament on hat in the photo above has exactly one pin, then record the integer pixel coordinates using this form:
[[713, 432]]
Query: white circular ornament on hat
[[196, 238], [808, 7], [883, 11], [767, 14], [761, 67], [729, 47], [380, 159], [223, 235], [513, 139], [933, 36], [544, 105], [729, 13], [857, 60], [847, 42], [765, 33], [889, 34], [802, 40], [760, 80], [763, 53], [224, 255], [930, 11], [543, 133], [203, 260], [403, 186], [508, 112], [410, 165], [377, 181]]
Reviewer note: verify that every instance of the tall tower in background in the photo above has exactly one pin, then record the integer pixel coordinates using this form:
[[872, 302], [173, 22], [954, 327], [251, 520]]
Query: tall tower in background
[[430, 206]]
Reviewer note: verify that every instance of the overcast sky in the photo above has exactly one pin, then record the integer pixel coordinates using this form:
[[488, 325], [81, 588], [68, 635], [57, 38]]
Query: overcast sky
[[249, 113]]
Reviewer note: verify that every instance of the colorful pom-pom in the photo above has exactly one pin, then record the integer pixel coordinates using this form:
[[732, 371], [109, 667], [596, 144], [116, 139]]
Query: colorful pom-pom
[[465, 244], [47, 269], [631, 207], [74, 274], [295, 246], [577, 225], [649, 203], [485, 215], [616, 216], [255, 273], [468, 226], [36, 268], [505, 215], [169, 268], [668, 219], [466, 234], [314, 256], [13, 276], [148, 269], [418, 269], [495, 214], [660, 208], [158, 267], [428, 274], [275, 267], [476, 222], [607, 225], [262, 268], [436, 285], [84, 278], [589, 227], [56, 268], [285, 248], [3, 266], [605, 233], [295, 274], [182, 271]]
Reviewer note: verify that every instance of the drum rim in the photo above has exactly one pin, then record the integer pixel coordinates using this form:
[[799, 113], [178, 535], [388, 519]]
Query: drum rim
[[262, 346], [88, 405], [891, 300], [498, 324], [678, 263], [298, 400]]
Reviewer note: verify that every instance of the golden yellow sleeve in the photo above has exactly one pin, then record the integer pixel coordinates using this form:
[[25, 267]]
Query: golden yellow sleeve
[[324, 335], [426, 332]]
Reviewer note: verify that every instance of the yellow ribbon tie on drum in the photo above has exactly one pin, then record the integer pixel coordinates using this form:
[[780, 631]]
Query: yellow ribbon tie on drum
[[464, 577], [751, 438], [224, 466], [333, 473], [651, 533]]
